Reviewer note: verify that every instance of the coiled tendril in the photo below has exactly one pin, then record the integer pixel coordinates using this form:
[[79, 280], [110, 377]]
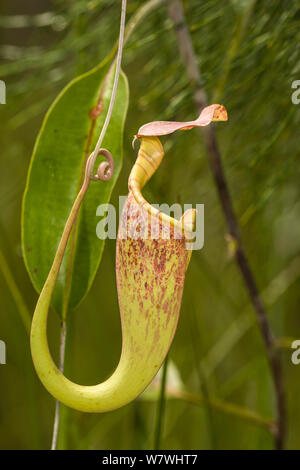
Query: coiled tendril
[[105, 169]]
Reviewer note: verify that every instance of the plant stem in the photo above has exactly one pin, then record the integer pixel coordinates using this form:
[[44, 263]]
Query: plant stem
[[195, 335], [61, 368], [215, 160], [160, 407]]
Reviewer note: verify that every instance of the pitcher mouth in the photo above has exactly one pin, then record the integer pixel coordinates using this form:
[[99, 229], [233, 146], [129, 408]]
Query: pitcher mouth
[[150, 155], [185, 226]]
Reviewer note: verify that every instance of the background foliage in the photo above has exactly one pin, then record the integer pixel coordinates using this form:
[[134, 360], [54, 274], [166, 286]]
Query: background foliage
[[249, 56]]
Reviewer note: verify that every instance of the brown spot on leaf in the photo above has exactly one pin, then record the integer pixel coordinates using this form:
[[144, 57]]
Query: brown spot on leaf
[[96, 111]]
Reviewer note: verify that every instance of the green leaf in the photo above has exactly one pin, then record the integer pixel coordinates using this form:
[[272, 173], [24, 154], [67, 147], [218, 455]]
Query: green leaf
[[67, 137]]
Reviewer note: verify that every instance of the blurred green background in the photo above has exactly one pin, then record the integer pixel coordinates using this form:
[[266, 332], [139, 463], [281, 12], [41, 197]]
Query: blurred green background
[[249, 55]]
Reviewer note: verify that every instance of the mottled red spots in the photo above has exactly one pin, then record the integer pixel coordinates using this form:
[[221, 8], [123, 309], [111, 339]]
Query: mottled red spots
[[150, 279], [160, 260], [134, 215], [165, 306]]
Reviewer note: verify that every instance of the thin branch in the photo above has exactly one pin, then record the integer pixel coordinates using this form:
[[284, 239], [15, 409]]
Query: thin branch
[[195, 335], [214, 156], [61, 368], [160, 407]]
